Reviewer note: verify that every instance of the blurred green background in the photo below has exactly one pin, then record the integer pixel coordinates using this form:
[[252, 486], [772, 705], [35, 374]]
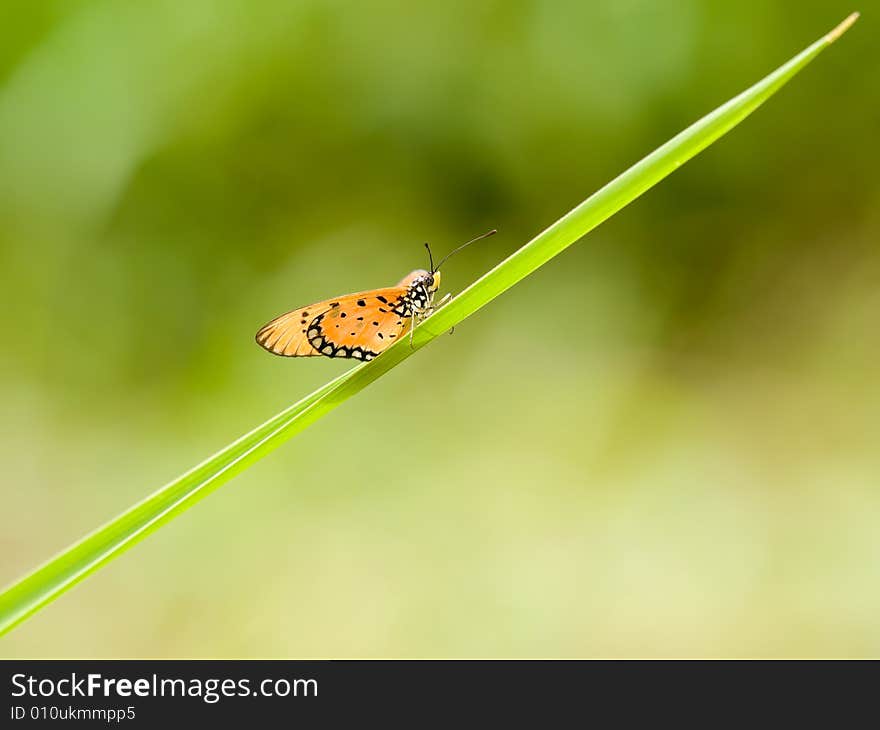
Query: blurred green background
[[664, 443]]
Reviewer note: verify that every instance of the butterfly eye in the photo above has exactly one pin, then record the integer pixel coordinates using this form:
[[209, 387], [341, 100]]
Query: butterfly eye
[[429, 281]]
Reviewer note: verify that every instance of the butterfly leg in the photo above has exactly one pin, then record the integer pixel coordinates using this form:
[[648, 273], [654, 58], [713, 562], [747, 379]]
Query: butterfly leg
[[412, 330], [446, 298]]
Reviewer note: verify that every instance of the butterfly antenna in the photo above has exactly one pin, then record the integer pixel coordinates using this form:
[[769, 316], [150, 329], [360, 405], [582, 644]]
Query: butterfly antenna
[[430, 257], [464, 245]]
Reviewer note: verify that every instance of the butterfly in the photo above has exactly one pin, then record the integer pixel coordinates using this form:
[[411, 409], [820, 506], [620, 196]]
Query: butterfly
[[358, 326]]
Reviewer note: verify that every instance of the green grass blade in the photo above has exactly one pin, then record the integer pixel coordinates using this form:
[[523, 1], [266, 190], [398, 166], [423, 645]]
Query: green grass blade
[[50, 580]]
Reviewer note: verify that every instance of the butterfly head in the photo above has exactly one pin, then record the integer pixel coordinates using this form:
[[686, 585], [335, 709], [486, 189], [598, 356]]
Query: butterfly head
[[421, 285], [421, 278]]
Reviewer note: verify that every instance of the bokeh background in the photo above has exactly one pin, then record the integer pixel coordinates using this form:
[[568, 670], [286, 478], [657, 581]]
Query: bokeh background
[[666, 442]]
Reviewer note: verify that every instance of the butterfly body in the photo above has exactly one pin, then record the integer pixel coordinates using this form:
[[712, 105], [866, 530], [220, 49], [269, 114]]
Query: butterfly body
[[356, 326]]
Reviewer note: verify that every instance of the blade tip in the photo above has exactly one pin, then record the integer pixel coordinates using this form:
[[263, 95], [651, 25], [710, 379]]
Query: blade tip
[[842, 28]]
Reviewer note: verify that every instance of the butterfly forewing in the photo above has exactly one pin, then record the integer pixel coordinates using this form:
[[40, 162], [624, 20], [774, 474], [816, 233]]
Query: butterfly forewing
[[357, 326]]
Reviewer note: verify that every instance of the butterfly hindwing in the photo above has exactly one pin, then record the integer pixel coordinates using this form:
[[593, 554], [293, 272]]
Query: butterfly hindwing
[[357, 326], [362, 325], [287, 335]]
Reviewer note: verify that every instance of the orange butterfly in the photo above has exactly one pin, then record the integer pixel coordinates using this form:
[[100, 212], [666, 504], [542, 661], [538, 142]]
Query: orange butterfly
[[361, 325]]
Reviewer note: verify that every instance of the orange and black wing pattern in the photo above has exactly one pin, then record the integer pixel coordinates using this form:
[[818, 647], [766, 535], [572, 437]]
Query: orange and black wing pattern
[[356, 326], [287, 335]]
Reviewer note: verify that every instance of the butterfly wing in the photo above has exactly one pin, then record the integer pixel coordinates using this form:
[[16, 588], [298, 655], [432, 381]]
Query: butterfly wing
[[287, 335], [360, 326], [357, 326]]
